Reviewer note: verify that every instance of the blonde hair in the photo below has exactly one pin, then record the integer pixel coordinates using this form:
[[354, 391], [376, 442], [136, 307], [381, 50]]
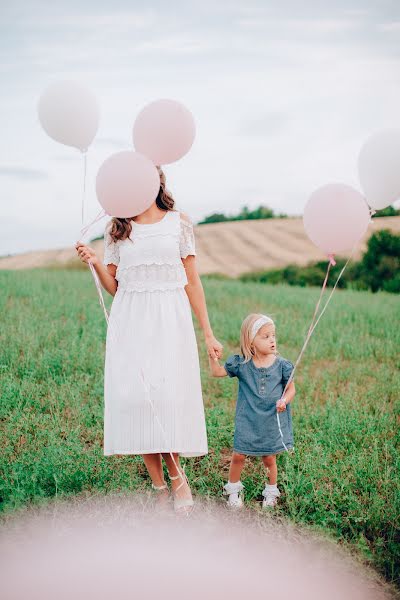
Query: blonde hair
[[245, 336]]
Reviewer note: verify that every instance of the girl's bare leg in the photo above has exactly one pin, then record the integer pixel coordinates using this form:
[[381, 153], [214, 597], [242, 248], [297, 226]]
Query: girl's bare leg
[[272, 470], [236, 468], [184, 491]]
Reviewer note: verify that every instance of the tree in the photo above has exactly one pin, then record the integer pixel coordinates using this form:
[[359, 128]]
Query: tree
[[381, 262]]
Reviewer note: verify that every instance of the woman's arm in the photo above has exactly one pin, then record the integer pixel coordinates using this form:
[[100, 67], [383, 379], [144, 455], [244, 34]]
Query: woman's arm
[[195, 292], [107, 277], [106, 274]]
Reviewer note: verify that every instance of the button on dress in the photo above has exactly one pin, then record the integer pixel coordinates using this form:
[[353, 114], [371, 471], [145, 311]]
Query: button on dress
[[256, 426], [152, 388]]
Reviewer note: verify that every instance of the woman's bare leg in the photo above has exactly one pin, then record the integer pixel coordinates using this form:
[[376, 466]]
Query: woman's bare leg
[[154, 467], [184, 491]]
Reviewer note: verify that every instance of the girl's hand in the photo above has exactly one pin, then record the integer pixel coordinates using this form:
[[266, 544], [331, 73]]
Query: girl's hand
[[281, 405], [85, 253], [214, 348]]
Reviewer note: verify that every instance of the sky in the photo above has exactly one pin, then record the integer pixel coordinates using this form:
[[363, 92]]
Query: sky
[[284, 94]]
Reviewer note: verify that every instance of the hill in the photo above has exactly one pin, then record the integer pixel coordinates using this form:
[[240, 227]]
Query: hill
[[230, 248]]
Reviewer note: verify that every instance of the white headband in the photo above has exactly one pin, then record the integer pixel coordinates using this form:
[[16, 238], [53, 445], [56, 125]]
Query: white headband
[[263, 320]]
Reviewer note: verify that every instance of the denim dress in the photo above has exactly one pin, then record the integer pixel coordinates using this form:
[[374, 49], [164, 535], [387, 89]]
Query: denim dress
[[256, 426]]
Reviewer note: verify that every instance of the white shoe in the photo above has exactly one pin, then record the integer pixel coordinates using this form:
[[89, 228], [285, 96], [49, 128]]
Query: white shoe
[[235, 493], [271, 494]]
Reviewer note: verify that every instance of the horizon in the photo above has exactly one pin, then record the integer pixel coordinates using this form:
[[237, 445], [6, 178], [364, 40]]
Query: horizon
[[283, 98]]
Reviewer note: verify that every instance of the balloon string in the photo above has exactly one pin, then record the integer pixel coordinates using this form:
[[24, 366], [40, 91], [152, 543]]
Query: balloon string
[[314, 325], [181, 473], [84, 231], [146, 386], [84, 185], [320, 296], [99, 292]]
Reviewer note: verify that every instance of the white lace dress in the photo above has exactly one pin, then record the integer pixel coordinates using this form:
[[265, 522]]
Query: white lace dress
[[152, 388]]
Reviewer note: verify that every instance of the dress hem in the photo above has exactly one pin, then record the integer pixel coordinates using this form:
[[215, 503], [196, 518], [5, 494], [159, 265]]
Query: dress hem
[[265, 453], [162, 451]]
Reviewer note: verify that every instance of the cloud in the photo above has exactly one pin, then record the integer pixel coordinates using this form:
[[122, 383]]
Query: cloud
[[393, 27], [269, 124], [283, 95], [112, 141], [22, 173]]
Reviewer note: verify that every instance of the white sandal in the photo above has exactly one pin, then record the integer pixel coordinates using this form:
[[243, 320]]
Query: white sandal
[[181, 503], [162, 499], [159, 487]]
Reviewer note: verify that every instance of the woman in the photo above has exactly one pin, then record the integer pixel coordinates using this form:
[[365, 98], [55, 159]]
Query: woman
[[153, 402]]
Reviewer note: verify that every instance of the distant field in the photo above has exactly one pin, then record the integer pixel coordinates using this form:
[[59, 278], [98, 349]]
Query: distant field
[[229, 248], [343, 478]]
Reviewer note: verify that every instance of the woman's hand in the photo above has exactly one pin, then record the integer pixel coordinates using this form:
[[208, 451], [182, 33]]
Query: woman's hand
[[214, 348], [281, 405], [86, 253]]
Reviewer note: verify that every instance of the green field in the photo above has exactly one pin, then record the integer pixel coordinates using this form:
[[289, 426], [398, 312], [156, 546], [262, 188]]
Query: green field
[[344, 475]]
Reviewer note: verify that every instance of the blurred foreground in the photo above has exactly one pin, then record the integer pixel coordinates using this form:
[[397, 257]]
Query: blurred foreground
[[120, 546]]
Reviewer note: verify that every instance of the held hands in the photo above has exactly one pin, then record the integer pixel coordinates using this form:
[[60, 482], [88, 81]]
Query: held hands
[[214, 348], [86, 253], [281, 405]]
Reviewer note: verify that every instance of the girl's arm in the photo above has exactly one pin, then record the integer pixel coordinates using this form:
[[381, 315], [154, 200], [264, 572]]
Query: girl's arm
[[106, 274], [195, 292], [290, 392], [288, 397], [217, 370]]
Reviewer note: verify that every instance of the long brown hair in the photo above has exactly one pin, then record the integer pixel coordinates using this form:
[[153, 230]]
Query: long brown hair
[[121, 229]]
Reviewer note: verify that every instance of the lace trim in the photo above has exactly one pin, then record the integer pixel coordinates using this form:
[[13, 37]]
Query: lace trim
[[111, 250], [142, 234], [152, 276], [185, 234], [151, 261], [186, 240], [151, 288]]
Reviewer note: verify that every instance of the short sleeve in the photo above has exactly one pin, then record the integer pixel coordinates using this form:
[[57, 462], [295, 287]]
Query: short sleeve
[[232, 364], [186, 240], [287, 368], [111, 249]]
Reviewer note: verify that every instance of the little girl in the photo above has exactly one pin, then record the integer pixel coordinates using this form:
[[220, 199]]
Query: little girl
[[262, 376]]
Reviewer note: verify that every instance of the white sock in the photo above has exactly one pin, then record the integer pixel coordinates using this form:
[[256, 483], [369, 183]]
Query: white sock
[[271, 487]]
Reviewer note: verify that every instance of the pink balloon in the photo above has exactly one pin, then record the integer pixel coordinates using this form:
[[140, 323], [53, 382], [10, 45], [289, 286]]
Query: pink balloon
[[127, 183], [335, 217], [164, 131]]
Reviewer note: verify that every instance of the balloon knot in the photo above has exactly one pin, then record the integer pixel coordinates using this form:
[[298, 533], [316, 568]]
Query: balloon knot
[[331, 260]]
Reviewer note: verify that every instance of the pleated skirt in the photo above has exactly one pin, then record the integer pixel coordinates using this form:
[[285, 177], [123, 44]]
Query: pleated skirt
[[152, 387]]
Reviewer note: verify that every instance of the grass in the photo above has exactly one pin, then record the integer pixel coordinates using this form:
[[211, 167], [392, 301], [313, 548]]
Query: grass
[[343, 478]]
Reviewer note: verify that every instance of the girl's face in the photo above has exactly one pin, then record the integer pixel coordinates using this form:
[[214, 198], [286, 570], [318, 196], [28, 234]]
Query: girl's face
[[265, 341]]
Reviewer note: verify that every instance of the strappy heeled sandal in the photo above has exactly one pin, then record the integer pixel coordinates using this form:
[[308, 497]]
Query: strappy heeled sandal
[[181, 505], [162, 499], [160, 487]]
